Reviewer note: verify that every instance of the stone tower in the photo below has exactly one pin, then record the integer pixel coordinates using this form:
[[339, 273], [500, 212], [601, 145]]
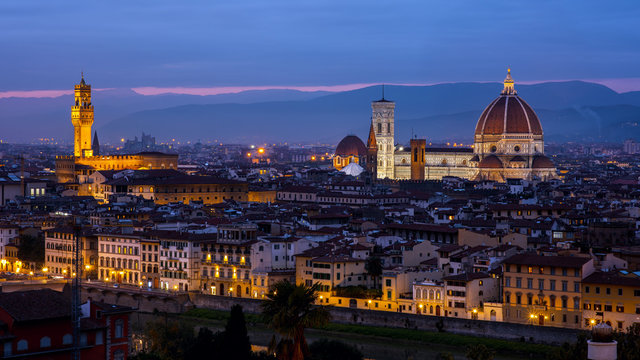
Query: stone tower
[[382, 121], [418, 147], [82, 120]]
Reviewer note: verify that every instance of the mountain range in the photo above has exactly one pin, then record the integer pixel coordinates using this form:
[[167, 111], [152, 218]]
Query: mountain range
[[569, 111]]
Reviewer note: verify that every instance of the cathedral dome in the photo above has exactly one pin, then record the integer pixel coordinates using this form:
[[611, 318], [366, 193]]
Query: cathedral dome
[[490, 162], [508, 114], [351, 145], [542, 162]]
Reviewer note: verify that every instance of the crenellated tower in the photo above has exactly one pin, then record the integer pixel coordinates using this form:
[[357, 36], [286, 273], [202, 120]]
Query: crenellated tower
[[383, 126], [82, 120]]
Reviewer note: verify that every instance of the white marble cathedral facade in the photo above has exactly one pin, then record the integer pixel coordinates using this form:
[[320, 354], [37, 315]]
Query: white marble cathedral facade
[[508, 143]]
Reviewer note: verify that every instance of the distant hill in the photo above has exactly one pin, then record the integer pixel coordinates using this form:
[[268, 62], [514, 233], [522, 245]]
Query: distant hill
[[613, 123], [50, 117], [438, 112], [571, 110]]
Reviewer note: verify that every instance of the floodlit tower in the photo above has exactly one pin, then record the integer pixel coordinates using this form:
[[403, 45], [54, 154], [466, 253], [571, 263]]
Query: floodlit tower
[[82, 119]]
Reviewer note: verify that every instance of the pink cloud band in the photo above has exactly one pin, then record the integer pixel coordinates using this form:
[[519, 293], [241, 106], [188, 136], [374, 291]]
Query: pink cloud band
[[619, 85]]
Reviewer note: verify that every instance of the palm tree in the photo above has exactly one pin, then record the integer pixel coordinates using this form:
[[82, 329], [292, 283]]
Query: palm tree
[[374, 268], [288, 310]]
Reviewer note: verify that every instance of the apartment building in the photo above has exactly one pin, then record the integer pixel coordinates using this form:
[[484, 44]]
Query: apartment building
[[612, 297], [429, 297], [179, 259], [466, 294], [120, 257], [8, 234], [60, 251], [331, 270], [227, 260], [150, 270], [544, 290]]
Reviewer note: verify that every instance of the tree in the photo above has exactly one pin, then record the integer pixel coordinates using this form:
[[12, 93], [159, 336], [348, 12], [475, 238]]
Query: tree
[[206, 343], [170, 340], [445, 356], [31, 249], [373, 266], [325, 349], [628, 342], [236, 341], [479, 352], [289, 309]]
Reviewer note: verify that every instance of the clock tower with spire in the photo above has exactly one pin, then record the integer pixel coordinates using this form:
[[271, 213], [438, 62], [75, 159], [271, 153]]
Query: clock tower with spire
[[82, 120]]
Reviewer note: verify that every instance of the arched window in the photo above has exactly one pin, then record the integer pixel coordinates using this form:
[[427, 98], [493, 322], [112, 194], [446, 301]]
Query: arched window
[[438, 295], [45, 342], [67, 339], [23, 345]]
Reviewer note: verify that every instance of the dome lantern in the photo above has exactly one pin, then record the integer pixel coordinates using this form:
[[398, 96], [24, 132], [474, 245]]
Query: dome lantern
[[509, 88]]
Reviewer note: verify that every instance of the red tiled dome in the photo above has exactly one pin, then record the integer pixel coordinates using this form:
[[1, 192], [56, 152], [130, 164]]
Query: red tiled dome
[[508, 114], [351, 145], [542, 162], [490, 162]]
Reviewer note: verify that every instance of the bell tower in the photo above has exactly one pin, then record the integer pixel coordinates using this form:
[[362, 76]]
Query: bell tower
[[82, 120], [383, 127]]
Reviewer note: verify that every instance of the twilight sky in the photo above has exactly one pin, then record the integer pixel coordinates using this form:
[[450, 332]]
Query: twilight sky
[[302, 43]]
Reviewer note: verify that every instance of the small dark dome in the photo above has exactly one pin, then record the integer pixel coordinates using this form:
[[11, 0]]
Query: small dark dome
[[518, 158], [542, 162], [351, 145], [490, 162]]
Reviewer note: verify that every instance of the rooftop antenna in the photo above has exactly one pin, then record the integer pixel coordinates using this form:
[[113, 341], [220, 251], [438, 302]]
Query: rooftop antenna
[[382, 91]]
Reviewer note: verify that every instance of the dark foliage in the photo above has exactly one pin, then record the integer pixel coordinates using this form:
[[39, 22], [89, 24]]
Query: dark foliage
[[325, 349]]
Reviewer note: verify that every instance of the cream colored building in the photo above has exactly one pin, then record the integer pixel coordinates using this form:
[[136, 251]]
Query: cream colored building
[[119, 258]]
